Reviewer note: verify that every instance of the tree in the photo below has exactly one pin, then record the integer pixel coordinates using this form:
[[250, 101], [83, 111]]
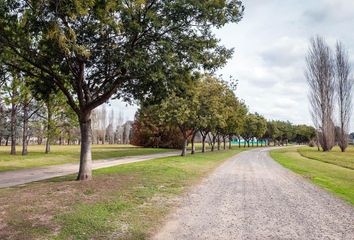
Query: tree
[[110, 127], [12, 98], [26, 104], [344, 88], [272, 132], [53, 100], [95, 49], [303, 134], [320, 77], [261, 127], [212, 112], [285, 131], [180, 112], [235, 112], [29, 108], [149, 131], [250, 128], [209, 90]]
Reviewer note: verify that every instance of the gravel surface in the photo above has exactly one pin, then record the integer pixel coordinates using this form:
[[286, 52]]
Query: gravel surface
[[252, 197], [18, 177]]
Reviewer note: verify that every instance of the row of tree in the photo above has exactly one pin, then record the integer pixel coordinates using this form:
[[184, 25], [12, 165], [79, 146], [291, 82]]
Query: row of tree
[[208, 107], [29, 115], [93, 50], [29, 111], [331, 84]]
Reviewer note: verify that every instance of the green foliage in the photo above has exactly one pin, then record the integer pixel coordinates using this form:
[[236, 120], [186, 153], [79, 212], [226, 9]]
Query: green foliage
[[254, 126], [148, 131], [94, 49], [180, 112], [304, 133], [285, 131]]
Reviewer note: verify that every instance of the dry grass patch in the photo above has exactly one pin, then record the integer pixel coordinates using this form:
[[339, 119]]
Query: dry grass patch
[[122, 202]]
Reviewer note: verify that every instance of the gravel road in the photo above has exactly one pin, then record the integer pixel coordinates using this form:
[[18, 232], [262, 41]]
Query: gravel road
[[18, 177], [252, 197]]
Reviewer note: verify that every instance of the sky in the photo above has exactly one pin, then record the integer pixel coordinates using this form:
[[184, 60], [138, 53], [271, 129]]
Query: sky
[[270, 45]]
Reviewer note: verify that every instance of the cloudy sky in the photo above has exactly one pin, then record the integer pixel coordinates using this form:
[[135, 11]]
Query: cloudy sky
[[270, 47]]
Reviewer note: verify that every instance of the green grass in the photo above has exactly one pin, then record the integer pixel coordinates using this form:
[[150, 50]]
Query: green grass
[[335, 156], [324, 172], [122, 202], [61, 154]]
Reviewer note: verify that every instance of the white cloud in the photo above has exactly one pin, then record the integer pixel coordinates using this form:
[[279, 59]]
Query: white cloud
[[270, 47], [271, 43]]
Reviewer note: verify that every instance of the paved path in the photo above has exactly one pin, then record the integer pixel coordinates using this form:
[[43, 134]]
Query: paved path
[[253, 197], [18, 177]]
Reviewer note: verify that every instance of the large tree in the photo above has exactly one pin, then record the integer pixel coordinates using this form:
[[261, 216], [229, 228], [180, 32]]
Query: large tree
[[235, 112], [95, 49], [209, 115], [181, 112], [12, 98], [320, 77], [250, 128], [344, 88], [261, 127]]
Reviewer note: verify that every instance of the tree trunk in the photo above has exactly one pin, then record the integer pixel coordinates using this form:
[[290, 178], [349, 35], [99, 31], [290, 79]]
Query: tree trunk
[[25, 127], [47, 146], [248, 143], [192, 142], [203, 143], [13, 125], [218, 143], [85, 171], [224, 143], [230, 140], [49, 128], [184, 149], [213, 143]]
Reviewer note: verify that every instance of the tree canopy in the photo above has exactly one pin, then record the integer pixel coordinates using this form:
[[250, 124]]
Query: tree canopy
[[92, 50]]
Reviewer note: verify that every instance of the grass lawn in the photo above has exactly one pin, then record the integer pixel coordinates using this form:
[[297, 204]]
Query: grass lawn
[[61, 154], [335, 156], [327, 171], [122, 202]]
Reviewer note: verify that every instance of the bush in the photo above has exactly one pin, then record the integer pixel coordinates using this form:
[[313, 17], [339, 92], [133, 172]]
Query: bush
[[147, 132]]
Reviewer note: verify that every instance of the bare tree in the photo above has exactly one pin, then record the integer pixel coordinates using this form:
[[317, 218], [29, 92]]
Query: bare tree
[[110, 127], [320, 77], [344, 86]]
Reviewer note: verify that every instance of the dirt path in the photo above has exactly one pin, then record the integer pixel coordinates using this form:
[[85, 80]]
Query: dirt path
[[253, 197], [18, 177]]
